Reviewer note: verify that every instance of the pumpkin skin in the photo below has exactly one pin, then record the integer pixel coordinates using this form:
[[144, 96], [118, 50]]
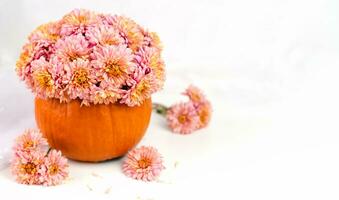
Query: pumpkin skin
[[92, 133]]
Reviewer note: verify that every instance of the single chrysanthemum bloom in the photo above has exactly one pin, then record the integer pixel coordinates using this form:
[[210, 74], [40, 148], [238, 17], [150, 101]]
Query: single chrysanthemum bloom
[[143, 163], [31, 52], [113, 63], [43, 49], [195, 94], [106, 93], [151, 39], [201, 104], [30, 141], [49, 31], [130, 31], [56, 168], [182, 118], [107, 19], [72, 48], [81, 80], [150, 58], [104, 35], [204, 111], [23, 64], [43, 78], [141, 88], [28, 168], [78, 21]]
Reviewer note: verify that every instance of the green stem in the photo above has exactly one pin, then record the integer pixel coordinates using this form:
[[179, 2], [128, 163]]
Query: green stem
[[49, 149], [160, 109]]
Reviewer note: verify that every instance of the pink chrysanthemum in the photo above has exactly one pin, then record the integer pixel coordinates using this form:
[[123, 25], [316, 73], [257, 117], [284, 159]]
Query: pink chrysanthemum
[[81, 80], [78, 21], [30, 141], [43, 78], [195, 94], [104, 35], [28, 168], [49, 32], [72, 48], [151, 39], [106, 93], [182, 118], [130, 31], [149, 58], [204, 111], [201, 104], [56, 168], [143, 163], [113, 63], [142, 86], [43, 48], [23, 63]]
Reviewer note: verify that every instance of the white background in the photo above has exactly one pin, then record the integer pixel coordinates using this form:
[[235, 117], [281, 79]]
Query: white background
[[270, 68]]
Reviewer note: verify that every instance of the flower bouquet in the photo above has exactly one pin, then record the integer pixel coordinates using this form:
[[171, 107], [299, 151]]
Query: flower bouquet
[[93, 76]]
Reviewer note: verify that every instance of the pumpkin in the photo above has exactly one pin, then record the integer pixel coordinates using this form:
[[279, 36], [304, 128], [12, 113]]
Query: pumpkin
[[92, 133]]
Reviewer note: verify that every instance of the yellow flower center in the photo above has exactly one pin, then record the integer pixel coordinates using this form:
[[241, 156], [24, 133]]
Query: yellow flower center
[[141, 90], [44, 79], [142, 87], [143, 163], [81, 78], [28, 144], [54, 169], [29, 168], [44, 30], [195, 97], [182, 118], [73, 56], [113, 68], [110, 40], [203, 115], [82, 19]]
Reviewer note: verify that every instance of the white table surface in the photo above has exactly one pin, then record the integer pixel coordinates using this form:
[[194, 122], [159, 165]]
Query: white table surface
[[270, 69]]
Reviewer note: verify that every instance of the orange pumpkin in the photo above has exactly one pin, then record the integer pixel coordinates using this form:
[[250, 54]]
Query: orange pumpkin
[[92, 133]]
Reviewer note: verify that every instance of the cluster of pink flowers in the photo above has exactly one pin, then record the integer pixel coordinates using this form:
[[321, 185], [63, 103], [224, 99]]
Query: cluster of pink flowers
[[143, 163], [95, 58], [33, 164], [186, 117]]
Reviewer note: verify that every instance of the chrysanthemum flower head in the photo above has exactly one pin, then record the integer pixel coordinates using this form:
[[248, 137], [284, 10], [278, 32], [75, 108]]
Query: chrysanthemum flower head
[[130, 31], [28, 168], [201, 104], [43, 79], [150, 58], [151, 39], [24, 60], [106, 93], [72, 48], [56, 168], [143, 163], [30, 141], [114, 62], [182, 118], [49, 31], [195, 94], [81, 79], [204, 111], [104, 35], [77, 21], [141, 88]]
